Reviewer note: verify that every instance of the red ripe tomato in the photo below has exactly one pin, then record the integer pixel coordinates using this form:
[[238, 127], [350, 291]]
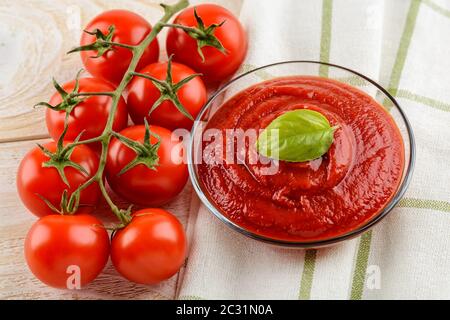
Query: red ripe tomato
[[130, 29], [142, 185], [33, 180], [64, 251], [151, 248], [217, 65], [142, 94], [89, 116]]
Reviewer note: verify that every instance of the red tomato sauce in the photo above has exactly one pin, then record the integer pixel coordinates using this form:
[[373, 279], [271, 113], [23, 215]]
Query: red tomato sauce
[[314, 200]]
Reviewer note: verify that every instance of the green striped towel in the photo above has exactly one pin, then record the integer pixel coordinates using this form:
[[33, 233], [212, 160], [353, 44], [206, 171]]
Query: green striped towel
[[404, 44]]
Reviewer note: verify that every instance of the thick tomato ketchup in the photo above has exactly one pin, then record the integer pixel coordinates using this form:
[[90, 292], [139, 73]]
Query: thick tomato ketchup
[[313, 200]]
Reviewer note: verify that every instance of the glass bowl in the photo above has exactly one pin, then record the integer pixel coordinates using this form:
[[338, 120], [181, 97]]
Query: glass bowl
[[295, 68]]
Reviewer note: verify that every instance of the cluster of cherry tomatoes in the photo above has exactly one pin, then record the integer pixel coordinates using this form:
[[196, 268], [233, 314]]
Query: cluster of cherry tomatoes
[[151, 246]]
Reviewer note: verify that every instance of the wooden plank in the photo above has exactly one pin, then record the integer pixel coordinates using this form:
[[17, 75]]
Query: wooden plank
[[17, 282]]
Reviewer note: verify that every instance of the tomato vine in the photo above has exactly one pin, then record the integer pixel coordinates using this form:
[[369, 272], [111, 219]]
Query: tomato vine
[[60, 158]]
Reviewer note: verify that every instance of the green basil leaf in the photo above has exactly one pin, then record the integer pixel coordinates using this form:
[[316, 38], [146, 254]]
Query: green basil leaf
[[296, 136]]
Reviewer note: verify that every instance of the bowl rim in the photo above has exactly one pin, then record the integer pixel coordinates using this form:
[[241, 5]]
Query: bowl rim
[[314, 243]]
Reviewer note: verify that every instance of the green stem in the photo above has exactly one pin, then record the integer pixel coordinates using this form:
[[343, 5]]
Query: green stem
[[105, 137], [108, 199], [87, 94], [122, 45], [185, 28], [87, 141]]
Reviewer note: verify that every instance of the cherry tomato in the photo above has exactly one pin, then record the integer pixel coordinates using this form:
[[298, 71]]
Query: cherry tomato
[[151, 248], [33, 180], [65, 251], [130, 29], [89, 116], [217, 65], [142, 94], [142, 185]]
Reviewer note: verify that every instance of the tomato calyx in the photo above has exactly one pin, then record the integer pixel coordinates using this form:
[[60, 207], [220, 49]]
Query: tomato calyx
[[202, 34], [146, 153], [69, 99], [126, 218], [168, 89], [102, 44], [67, 206], [60, 159]]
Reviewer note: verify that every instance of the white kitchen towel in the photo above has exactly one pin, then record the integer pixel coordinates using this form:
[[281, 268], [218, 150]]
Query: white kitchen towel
[[403, 44]]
